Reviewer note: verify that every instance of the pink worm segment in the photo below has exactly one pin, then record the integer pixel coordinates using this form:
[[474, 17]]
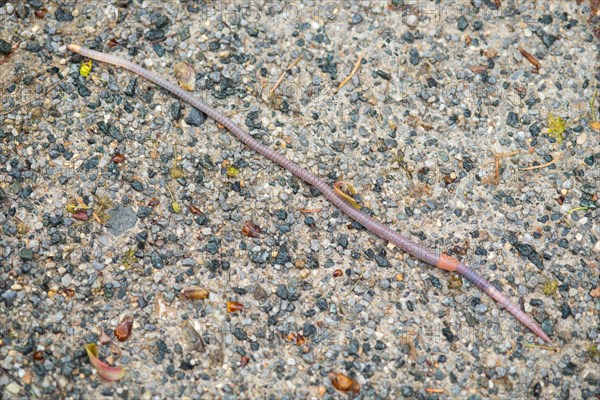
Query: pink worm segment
[[416, 250]]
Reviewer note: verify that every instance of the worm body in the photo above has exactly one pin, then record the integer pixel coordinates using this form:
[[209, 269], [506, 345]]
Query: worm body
[[416, 250]]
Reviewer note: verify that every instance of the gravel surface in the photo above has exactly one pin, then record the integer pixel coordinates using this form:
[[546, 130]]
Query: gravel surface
[[115, 196]]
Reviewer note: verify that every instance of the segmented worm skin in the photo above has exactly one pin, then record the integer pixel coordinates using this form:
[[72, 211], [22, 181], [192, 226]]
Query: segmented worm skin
[[416, 250]]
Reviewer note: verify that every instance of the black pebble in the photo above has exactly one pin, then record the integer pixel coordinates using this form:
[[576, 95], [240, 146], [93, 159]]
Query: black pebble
[[195, 117], [5, 47]]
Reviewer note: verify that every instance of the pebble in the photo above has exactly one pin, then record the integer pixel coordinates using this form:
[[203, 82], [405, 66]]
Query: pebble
[[5, 47], [411, 20]]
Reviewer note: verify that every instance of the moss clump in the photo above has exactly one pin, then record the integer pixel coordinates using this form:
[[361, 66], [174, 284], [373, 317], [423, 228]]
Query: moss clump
[[550, 288], [556, 127]]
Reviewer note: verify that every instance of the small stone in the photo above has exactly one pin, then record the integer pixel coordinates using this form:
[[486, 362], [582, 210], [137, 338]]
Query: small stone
[[195, 117], [581, 139], [548, 39], [26, 254], [121, 220], [154, 35], [12, 388], [462, 23], [356, 19], [5, 47], [156, 259], [282, 292], [512, 119], [411, 21]]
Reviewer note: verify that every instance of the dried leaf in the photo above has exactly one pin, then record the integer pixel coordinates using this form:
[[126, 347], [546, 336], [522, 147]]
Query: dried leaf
[[344, 383], [346, 190], [251, 230], [233, 306], [123, 329], [195, 293], [478, 69], [105, 371], [186, 76], [195, 210], [298, 338], [81, 215]]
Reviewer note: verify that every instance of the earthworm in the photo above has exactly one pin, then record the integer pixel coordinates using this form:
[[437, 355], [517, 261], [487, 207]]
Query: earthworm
[[416, 250]]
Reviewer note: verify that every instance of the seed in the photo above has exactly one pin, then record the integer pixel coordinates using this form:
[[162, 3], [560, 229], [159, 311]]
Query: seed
[[123, 329], [337, 273], [118, 158], [344, 383], [244, 361], [252, 230], [41, 13], [194, 293]]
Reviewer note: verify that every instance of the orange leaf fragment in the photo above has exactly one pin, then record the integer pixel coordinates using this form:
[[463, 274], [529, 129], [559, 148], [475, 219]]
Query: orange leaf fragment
[[123, 329], [252, 230], [344, 383], [105, 371], [194, 210], [233, 306]]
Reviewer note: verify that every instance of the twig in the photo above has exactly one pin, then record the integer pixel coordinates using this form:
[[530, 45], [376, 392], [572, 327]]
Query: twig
[[543, 165], [496, 179], [536, 63], [11, 376], [433, 390], [355, 283], [346, 79], [34, 99], [541, 346], [283, 74], [310, 210]]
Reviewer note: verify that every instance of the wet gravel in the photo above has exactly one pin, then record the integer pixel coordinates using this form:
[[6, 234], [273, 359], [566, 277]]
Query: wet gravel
[[114, 196]]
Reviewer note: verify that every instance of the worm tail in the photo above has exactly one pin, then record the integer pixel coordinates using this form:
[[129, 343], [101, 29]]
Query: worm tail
[[487, 287]]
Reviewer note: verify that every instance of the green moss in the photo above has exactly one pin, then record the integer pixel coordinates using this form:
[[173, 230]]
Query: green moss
[[556, 127], [593, 351], [550, 288], [129, 258]]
